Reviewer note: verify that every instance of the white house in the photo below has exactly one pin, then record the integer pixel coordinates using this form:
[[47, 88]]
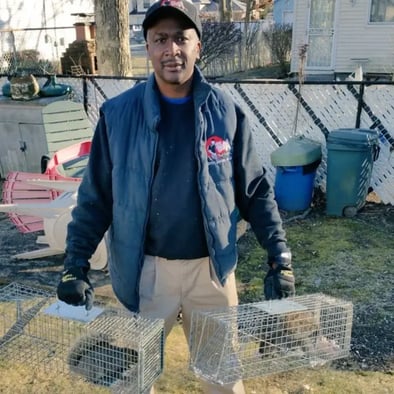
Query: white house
[[344, 37], [45, 26], [283, 12]]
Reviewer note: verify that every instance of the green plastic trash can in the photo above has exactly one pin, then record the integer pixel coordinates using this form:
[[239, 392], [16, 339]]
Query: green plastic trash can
[[296, 162], [350, 157]]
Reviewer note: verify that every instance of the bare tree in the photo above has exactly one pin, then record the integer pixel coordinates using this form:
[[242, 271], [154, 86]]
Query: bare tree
[[252, 46], [112, 37], [250, 4], [225, 10], [220, 40], [278, 38]]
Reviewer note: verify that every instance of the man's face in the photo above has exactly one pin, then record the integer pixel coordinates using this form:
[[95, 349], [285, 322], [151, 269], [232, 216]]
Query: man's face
[[173, 51]]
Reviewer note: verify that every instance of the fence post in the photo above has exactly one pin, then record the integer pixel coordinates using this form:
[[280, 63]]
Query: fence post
[[360, 105], [85, 93]]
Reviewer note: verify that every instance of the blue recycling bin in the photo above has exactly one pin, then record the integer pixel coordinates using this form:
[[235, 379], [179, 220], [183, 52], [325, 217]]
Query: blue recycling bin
[[296, 163]]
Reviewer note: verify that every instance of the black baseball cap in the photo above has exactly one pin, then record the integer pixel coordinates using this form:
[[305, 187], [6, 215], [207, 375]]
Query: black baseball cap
[[177, 8]]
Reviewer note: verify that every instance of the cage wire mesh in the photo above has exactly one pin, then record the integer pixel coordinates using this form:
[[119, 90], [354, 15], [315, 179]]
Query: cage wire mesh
[[262, 338], [107, 346]]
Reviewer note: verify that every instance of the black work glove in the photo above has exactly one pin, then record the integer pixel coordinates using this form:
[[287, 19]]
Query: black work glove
[[279, 281], [75, 289]]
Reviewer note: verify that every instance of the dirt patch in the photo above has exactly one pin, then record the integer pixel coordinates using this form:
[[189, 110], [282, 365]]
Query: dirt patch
[[42, 272]]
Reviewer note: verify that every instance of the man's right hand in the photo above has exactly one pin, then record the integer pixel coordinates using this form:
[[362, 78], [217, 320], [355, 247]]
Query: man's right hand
[[279, 283], [75, 288]]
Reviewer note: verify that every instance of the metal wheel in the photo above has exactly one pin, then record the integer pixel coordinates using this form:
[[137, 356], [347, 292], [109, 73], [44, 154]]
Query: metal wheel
[[350, 212]]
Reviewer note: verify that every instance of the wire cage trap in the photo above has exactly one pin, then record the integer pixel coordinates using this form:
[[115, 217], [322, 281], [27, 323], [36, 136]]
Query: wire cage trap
[[107, 346], [263, 338]]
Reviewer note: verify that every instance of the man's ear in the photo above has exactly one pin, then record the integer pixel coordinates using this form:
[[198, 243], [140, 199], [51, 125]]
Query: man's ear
[[199, 48], [147, 50], [147, 41]]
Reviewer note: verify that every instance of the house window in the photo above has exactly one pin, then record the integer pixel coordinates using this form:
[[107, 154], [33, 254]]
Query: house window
[[382, 11]]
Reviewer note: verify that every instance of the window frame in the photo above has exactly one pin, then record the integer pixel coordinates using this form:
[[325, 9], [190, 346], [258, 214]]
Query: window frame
[[373, 3]]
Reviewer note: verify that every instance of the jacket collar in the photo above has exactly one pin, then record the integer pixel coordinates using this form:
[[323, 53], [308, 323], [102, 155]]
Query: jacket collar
[[201, 89]]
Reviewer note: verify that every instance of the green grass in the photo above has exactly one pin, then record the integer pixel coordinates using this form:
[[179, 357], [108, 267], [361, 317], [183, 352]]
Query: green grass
[[341, 256]]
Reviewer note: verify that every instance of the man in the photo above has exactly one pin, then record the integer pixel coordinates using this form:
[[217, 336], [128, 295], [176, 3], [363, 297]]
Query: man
[[172, 166]]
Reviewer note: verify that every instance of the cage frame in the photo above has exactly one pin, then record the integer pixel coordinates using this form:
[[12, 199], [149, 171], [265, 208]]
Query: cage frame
[[46, 334], [263, 338]]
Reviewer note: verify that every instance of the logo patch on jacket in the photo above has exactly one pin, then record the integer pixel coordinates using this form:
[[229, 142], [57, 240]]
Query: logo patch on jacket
[[218, 150]]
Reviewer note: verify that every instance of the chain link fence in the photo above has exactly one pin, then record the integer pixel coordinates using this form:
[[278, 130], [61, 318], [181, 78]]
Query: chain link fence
[[271, 106]]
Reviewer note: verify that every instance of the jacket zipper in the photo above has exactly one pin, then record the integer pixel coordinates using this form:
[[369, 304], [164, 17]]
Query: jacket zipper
[[203, 132], [141, 257]]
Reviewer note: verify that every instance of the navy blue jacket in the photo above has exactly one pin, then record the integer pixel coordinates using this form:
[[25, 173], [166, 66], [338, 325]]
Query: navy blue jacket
[[116, 188]]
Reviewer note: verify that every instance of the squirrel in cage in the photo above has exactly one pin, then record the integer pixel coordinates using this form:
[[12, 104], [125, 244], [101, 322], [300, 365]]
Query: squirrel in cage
[[99, 361]]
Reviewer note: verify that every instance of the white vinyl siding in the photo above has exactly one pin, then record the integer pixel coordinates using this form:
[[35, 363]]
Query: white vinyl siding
[[356, 40], [361, 43], [299, 38]]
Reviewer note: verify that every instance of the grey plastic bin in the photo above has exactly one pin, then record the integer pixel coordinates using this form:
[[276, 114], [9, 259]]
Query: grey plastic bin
[[350, 157]]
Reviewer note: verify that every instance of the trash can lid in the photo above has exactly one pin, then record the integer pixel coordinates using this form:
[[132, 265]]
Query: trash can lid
[[363, 137], [297, 151]]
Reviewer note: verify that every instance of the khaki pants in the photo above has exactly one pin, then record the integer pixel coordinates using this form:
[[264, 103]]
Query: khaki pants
[[170, 286]]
